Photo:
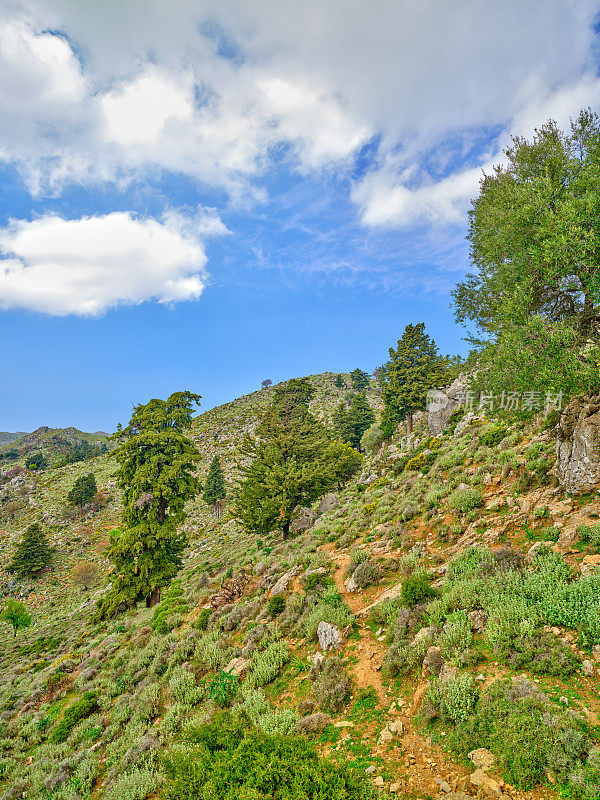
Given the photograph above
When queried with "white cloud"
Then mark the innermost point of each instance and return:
(155, 91)
(86, 266)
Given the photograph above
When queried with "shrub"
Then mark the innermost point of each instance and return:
(367, 573)
(275, 722)
(492, 435)
(79, 710)
(331, 687)
(330, 609)
(223, 759)
(452, 699)
(456, 635)
(166, 614)
(276, 605)
(417, 589)
(266, 665)
(465, 500)
(202, 621)
(223, 688)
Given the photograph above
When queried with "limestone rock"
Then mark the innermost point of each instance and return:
(478, 620)
(587, 668)
(578, 445)
(350, 584)
(237, 667)
(442, 404)
(283, 583)
(302, 519)
(482, 759)
(329, 636)
(328, 503)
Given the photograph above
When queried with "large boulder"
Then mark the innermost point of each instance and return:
(442, 404)
(302, 519)
(328, 503)
(329, 636)
(578, 445)
(283, 583)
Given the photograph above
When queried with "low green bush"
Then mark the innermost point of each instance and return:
(79, 710)
(492, 435)
(465, 500)
(417, 589)
(223, 688)
(223, 759)
(276, 605)
(167, 614)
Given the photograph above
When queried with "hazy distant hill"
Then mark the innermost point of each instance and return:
(6, 437)
(55, 441)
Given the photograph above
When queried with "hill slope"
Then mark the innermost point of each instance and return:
(456, 630)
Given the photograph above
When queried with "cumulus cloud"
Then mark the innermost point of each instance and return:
(88, 265)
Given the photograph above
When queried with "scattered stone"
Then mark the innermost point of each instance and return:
(370, 770)
(302, 519)
(587, 668)
(482, 759)
(283, 583)
(343, 723)
(394, 787)
(478, 620)
(328, 503)
(378, 781)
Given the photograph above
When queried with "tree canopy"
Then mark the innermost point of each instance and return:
(415, 366)
(83, 491)
(351, 421)
(33, 553)
(156, 476)
(214, 486)
(534, 231)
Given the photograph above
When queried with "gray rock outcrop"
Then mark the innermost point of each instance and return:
(442, 404)
(578, 445)
(329, 636)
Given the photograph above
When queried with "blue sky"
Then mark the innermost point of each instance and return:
(205, 197)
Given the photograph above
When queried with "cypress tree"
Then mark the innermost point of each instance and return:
(360, 379)
(83, 491)
(156, 477)
(33, 553)
(214, 487)
(415, 366)
(351, 422)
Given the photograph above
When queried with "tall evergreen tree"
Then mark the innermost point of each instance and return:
(33, 553)
(415, 366)
(214, 486)
(350, 422)
(83, 491)
(360, 379)
(156, 477)
(292, 461)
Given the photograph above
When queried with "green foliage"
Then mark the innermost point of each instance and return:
(203, 617)
(371, 440)
(338, 381)
(492, 435)
(156, 477)
(166, 612)
(79, 710)
(37, 461)
(465, 500)
(415, 366)
(214, 486)
(33, 553)
(82, 451)
(83, 491)
(292, 462)
(535, 247)
(14, 613)
(360, 379)
(276, 605)
(453, 698)
(350, 422)
(417, 589)
(332, 685)
(223, 688)
(221, 760)
(265, 666)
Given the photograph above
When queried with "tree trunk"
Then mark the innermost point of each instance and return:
(153, 598)
(286, 529)
(409, 423)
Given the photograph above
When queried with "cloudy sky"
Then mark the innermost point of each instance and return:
(204, 194)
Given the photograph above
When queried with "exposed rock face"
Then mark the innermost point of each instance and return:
(578, 445)
(283, 583)
(441, 407)
(238, 667)
(303, 519)
(329, 636)
(328, 503)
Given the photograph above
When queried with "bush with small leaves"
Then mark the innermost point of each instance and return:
(223, 688)
(276, 605)
(332, 685)
(265, 666)
(367, 573)
(451, 699)
(465, 500)
(417, 589)
(79, 710)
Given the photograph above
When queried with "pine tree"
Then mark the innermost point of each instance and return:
(83, 491)
(351, 422)
(292, 462)
(33, 553)
(214, 486)
(415, 366)
(360, 379)
(156, 477)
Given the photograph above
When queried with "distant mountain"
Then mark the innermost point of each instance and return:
(6, 437)
(54, 441)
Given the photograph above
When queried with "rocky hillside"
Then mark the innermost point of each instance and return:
(6, 436)
(435, 624)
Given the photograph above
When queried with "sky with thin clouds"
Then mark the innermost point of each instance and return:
(204, 194)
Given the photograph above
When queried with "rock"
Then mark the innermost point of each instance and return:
(343, 723)
(302, 519)
(587, 668)
(596, 652)
(448, 672)
(378, 781)
(283, 583)
(350, 584)
(370, 770)
(578, 445)
(237, 667)
(465, 422)
(385, 736)
(567, 538)
(329, 636)
(442, 404)
(482, 759)
(318, 659)
(433, 661)
(478, 778)
(260, 568)
(394, 787)
(478, 620)
(328, 503)
(445, 786)
(506, 470)
(423, 633)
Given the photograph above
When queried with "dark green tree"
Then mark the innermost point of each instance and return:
(214, 486)
(14, 613)
(360, 379)
(338, 381)
(350, 422)
(33, 553)
(156, 476)
(83, 491)
(415, 366)
(535, 247)
(37, 461)
(292, 461)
